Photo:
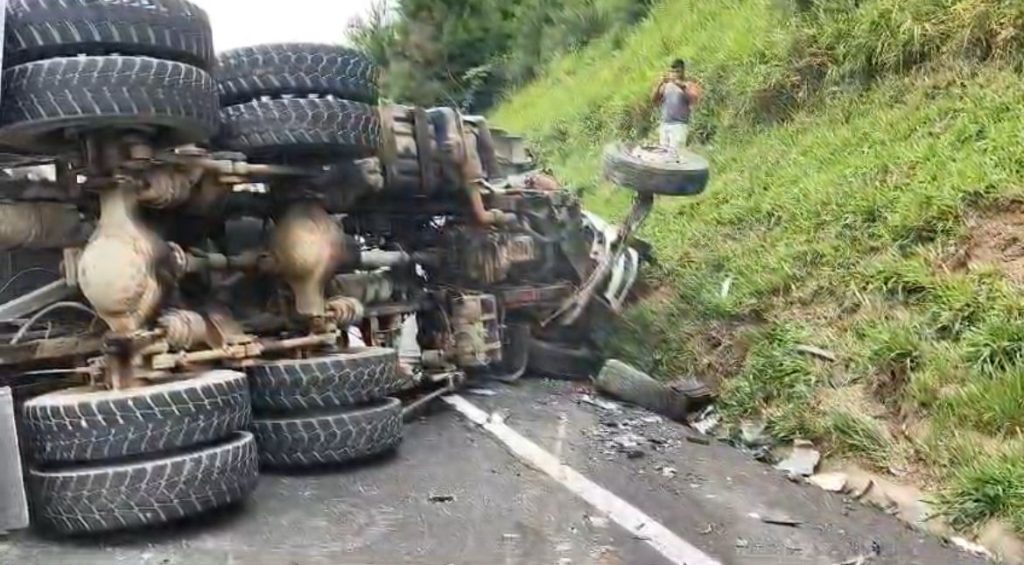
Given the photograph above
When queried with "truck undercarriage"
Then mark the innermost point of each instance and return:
(238, 245)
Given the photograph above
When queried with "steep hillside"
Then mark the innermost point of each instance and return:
(868, 199)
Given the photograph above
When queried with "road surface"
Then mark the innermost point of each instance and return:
(455, 493)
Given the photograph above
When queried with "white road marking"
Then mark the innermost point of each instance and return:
(674, 548)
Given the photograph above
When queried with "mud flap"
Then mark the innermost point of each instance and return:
(13, 505)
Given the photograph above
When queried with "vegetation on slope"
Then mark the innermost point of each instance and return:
(867, 198)
(464, 52)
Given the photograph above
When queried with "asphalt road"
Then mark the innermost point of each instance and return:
(455, 494)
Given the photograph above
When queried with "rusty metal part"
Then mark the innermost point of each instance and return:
(574, 306)
(307, 247)
(480, 214)
(477, 331)
(167, 187)
(531, 296)
(345, 311)
(39, 225)
(488, 257)
(117, 269)
(49, 350)
(452, 381)
(184, 329)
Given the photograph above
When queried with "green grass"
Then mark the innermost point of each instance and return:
(849, 148)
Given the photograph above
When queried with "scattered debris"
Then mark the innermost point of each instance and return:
(698, 440)
(668, 472)
(601, 403)
(802, 461)
(971, 547)
(708, 530)
(742, 543)
(635, 454)
(781, 520)
(706, 421)
(817, 352)
(832, 482)
(726, 287)
(442, 498)
(596, 522)
(627, 441)
(752, 433)
(481, 392)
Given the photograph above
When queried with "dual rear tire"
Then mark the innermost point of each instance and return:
(73, 67)
(113, 460)
(327, 411)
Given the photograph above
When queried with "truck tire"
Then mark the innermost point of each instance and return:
(71, 425)
(42, 100)
(562, 361)
(103, 498)
(628, 167)
(298, 69)
(329, 437)
(175, 30)
(335, 381)
(301, 126)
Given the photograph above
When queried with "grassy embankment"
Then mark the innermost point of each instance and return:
(867, 199)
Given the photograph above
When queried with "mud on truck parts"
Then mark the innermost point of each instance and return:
(237, 243)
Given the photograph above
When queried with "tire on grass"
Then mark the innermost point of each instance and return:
(176, 30)
(73, 426)
(301, 127)
(653, 172)
(329, 437)
(42, 101)
(335, 381)
(137, 493)
(298, 69)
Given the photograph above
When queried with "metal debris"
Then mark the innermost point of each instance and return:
(781, 520)
(802, 461)
(706, 421)
(606, 405)
(817, 352)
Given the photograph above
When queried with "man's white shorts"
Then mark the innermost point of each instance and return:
(674, 136)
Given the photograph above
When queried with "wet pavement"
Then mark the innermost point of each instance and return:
(453, 494)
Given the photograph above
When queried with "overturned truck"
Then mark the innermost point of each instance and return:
(240, 242)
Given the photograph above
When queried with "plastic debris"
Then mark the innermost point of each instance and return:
(706, 421)
(971, 547)
(802, 461)
(832, 482)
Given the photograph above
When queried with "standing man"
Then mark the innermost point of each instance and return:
(676, 98)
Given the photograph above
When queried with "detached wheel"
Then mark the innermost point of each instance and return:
(166, 29)
(74, 425)
(45, 101)
(298, 69)
(102, 498)
(656, 172)
(335, 381)
(301, 127)
(562, 360)
(329, 437)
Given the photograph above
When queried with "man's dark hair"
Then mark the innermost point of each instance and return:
(679, 65)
